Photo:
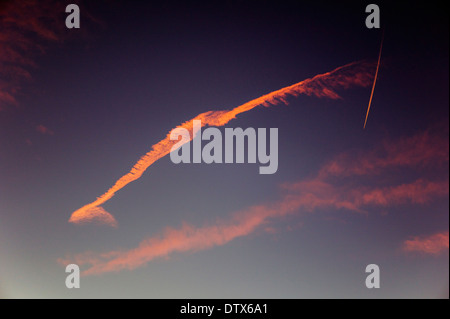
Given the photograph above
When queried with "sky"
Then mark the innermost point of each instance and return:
(86, 176)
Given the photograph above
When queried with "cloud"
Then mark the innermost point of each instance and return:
(418, 192)
(98, 215)
(188, 238)
(316, 194)
(322, 85)
(432, 245)
(44, 130)
(319, 193)
(421, 150)
(27, 26)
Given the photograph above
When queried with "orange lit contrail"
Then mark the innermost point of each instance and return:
(322, 85)
(374, 82)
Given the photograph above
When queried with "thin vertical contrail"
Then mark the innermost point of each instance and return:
(374, 82)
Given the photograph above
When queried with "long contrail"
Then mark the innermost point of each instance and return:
(322, 85)
(374, 82)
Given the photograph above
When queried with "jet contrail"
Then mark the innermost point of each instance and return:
(374, 81)
(322, 85)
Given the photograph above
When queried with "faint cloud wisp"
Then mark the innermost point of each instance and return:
(431, 245)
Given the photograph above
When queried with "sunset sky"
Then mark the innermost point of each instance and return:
(85, 175)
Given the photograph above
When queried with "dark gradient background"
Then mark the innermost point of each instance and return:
(99, 97)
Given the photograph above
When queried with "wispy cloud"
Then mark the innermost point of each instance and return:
(419, 192)
(27, 27)
(420, 150)
(314, 194)
(322, 85)
(432, 245)
(44, 130)
(320, 193)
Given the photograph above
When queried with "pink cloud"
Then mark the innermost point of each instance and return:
(420, 150)
(44, 130)
(27, 27)
(188, 238)
(418, 192)
(433, 245)
(317, 194)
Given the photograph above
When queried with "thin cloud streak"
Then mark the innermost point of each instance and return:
(307, 196)
(421, 150)
(323, 85)
(431, 245)
(418, 192)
